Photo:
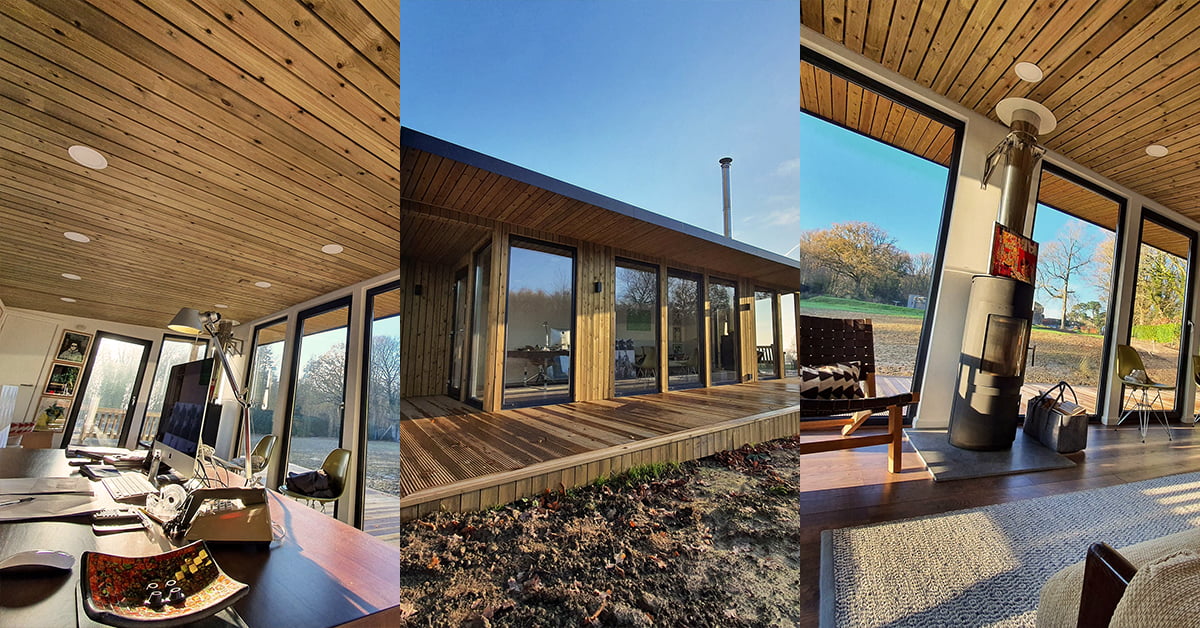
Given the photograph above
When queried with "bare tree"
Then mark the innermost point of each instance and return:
(1062, 259)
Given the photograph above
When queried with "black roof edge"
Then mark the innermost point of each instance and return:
(430, 144)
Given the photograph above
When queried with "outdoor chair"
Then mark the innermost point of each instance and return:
(833, 340)
(647, 362)
(1128, 361)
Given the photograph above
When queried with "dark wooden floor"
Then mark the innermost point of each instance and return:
(853, 487)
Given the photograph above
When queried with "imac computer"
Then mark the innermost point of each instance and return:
(188, 417)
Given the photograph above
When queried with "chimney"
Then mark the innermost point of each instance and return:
(725, 161)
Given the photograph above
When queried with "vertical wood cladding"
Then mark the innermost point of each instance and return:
(595, 322)
(425, 327)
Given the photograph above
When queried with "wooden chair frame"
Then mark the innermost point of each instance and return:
(831, 340)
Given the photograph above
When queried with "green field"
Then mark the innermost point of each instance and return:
(863, 307)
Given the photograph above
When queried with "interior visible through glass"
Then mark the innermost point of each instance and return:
(765, 348)
(265, 370)
(637, 355)
(722, 308)
(382, 455)
(683, 340)
(537, 362)
(103, 407)
(480, 348)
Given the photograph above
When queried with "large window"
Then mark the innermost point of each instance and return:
(723, 332)
(381, 439)
(539, 333)
(1076, 230)
(637, 355)
(1160, 301)
(318, 386)
(685, 320)
(266, 365)
(766, 343)
(174, 350)
(875, 186)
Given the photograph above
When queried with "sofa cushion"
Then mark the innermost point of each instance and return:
(832, 381)
(1058, 603)
(1166, 589)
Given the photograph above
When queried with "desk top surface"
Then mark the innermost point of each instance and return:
(323, 572)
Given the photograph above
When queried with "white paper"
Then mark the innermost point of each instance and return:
(43, 486)
(50, 507)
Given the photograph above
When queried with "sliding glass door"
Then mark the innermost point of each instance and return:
(480, 348)
(379, 464)
(766, 334)
(110, 390)
(723, 332)
(636, 370)
(686, 320)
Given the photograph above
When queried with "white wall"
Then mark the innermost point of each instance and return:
(28, 340)
(969, 237)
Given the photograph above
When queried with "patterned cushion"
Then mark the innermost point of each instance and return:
(1161, 586)
(833, 381)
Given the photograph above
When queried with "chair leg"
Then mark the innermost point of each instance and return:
(895, 448)
(856, 422)
(1162, 414)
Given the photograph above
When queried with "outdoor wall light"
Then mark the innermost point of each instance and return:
(417, 289)
(598, 286)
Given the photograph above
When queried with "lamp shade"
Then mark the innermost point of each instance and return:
(187, 321)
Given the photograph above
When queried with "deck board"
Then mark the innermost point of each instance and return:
(442, 451)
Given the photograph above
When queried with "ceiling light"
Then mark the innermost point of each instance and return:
(78, 237)
(1156, 150)
(72, 276)
(89, 157)
(332, 249)
(1028, 72)
(221, 305)
(67, 299)
(263, 284)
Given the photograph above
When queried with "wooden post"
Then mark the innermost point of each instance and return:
(664, 330)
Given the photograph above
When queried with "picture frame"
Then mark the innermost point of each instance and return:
(52, 413)
(73, 347)
(62, 381)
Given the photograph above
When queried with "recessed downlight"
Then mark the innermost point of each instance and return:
(89, 157)
(221, 306)
(67, 299)
(1156, 150)
(72, 276)
(77, 237)
(1028, 72)
(332, 249)
(263, 284)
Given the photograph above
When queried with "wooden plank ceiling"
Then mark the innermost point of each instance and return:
(241, 137)
(1119, 75)
(449, 204)
(860, 109)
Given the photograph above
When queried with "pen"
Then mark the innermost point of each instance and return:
(16, 501)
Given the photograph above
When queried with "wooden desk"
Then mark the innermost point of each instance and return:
(324, 572)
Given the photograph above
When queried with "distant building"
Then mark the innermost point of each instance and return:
(918, 302)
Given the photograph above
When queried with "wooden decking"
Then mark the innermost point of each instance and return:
(458, 458)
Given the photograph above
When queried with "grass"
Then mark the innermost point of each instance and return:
(863, 307)
(638, 475)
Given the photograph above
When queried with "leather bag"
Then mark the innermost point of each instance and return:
(1058, 424)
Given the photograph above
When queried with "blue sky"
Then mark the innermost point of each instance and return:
(631, 99)
(849, 177)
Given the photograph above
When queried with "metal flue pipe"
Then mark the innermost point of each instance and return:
(1027, 119)
(725, 161)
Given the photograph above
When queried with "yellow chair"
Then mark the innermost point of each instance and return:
(1128, 361)
(260, 458)
(336, 466)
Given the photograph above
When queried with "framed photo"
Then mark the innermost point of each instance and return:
(63, 378)
(52, 413)
(74, 347)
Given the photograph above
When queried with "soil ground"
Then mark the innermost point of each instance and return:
(1074, 357)
(710, 543)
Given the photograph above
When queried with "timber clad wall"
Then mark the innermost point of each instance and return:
(594, 320)
(425, 332)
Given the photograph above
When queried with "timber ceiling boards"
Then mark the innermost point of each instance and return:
(241, 137)
(1070, 197)
(852, 106)
(451, 185)
(1119, 75)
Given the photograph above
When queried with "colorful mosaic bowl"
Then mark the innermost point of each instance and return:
(115, 588)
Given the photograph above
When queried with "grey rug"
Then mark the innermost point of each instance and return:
(985, 566)
(947, 462)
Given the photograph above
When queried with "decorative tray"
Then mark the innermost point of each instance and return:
(120, 590)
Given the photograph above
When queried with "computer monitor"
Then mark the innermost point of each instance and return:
(188, 416)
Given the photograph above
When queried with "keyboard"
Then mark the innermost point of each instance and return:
(128, 485)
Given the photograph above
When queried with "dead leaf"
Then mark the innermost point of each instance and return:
(407, 610)
(434, 563)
